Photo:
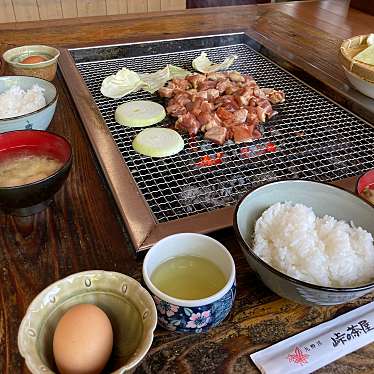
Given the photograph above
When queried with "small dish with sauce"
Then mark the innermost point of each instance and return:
(33, 167)
(365, 186)
(33, 60)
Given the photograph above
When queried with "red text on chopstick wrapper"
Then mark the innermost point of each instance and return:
(353, 332)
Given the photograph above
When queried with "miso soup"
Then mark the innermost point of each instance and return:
(188, 277)
(24, 169)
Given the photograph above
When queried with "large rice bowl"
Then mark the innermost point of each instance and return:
(322, 251)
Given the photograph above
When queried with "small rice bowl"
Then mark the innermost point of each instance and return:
(321, 251)
(15, 101)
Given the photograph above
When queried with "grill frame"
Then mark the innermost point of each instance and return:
(143, 227)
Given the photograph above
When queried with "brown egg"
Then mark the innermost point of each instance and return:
(83, 340)
(33, 59)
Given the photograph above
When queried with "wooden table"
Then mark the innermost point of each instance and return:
(82, 229)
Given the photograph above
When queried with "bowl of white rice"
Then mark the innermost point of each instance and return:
(309, 242)
(26, 103)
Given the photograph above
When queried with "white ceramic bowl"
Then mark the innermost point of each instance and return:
(360, 84)
(128, 305)
(36, 120)
(324, 199)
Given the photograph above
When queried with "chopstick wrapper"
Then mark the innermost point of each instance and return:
(320, 345)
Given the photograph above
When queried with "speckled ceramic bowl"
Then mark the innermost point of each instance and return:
(324, 199)
(192, 316)
(128, 305)
(45, 69)
(36, 120)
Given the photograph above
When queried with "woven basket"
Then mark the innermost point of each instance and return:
(350, 48)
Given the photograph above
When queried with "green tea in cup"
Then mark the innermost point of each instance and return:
(188, 277)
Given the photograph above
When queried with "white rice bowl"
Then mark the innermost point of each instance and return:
(15, 101)
(321, 251)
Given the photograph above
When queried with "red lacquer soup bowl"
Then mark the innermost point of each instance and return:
(366, 181)
(32, 196)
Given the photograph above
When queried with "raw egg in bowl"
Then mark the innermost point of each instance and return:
(33, 167)
(34, 60)
(95, 296)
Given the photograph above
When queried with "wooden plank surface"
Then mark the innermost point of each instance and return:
(6, 11)
(116, 7)
(137, 6)
(69, 8)
(89, 8)
(49, 9)
(324, 16)
(82, 229)
(29, 10)
(26, 10)
(173, 4)
(154, 5)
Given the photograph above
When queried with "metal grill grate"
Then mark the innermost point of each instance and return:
(315, 138)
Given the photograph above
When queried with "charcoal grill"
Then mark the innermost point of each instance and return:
(314, 138)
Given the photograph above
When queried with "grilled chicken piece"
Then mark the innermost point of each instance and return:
(274, 96)
(208, 121)
(216, 134)
(244, 95)
(215, 76)
(224, 115)
(204, 118)
(222, 85)
(240, 115)
(256, 134)
(176, 109)
(181, 83)
(166, 92)
(181, 98)
(252, 116)
(188, 123)
(242, 133)
(206, 106)
(206, 85)
(195, 79)
(212, 94)
(264, 109)
(235, 76)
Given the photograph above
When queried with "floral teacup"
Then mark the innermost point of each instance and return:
(191, 315)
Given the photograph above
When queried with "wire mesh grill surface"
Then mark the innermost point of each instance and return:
(314, 137)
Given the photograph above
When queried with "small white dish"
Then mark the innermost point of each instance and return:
(364, 86)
